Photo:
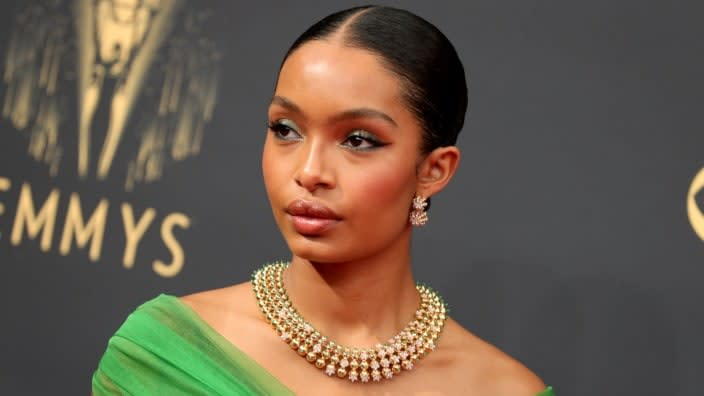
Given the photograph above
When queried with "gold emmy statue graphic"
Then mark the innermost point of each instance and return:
(95, 83)
(119, 48)
(118, 40)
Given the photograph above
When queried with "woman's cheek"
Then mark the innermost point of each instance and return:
(274, 167)
(384, 186)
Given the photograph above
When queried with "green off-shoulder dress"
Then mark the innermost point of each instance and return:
(165, 348)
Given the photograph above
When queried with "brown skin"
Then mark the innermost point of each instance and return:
(354, 280)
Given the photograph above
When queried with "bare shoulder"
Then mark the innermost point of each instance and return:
(225, 307)
(483, 368)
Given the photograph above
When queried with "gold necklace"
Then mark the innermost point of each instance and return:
(399, 353)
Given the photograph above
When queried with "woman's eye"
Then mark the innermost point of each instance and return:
(362, 140)
(284, 130)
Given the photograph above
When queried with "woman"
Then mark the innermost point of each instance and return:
(362, 127)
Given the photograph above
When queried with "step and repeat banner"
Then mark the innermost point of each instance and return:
(572, 236)
(110, 94)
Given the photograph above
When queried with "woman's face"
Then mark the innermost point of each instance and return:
(340, 155)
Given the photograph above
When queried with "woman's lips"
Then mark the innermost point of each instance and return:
(311, 218)
(311, 226)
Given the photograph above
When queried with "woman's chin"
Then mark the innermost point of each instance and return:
(315, 249)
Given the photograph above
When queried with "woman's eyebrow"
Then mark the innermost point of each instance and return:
(287, 104)
(362, 112)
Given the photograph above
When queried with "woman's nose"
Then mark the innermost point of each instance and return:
(314, 169)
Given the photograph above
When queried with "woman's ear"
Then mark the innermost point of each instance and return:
(437, 169)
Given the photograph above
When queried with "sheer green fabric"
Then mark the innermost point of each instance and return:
(547, 392)
(165, 348)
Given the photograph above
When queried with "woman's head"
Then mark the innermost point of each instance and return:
(420, 55)
(361, 121)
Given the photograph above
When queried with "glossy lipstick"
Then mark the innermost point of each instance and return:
(311, 218)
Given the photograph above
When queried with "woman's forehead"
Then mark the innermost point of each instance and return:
(330, 71)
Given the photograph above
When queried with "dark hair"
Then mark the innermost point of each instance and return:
(416, 51)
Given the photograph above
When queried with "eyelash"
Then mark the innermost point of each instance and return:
(278, 128)
(366, 137)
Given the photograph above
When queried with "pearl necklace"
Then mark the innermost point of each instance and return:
(399, 353)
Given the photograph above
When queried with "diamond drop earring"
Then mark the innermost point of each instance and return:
(418, 216)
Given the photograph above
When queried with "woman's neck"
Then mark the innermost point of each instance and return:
(359, 303)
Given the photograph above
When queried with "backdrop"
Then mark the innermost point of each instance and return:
(572, 236)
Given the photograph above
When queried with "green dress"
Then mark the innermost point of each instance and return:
(165, 348)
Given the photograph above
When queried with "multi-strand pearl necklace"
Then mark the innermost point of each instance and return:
(399, 353)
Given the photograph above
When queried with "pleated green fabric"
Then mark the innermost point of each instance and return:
(165, 348)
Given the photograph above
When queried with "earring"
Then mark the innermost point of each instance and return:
(418, 216)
